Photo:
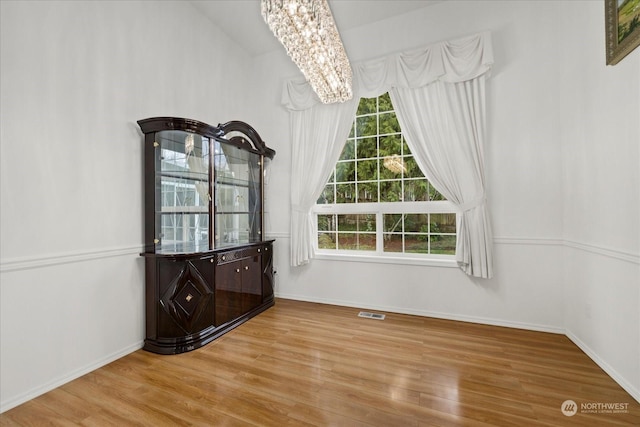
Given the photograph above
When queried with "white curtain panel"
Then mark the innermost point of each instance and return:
(318, 136)
(438, 93)
(443, 124)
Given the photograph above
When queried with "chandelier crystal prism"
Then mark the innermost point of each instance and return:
(308, 32)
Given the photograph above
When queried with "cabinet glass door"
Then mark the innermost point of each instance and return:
(182, 192)
(238, 210)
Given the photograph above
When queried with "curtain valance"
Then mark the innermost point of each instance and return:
(438, 93)
(450, 61)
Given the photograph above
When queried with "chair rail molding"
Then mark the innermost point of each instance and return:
(27, 263)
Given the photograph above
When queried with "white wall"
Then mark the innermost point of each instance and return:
(75, 78)
(524, 175)
(562, 174)
(600, 110)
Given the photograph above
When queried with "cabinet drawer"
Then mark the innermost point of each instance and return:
(234, 255)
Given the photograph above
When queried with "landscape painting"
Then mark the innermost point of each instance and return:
(622, 28)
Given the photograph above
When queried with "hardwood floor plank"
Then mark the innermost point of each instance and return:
(311, 364)
(33, 413)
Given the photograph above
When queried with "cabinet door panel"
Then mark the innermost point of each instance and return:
(251, 283)
(228, 292)
(267, 273)
(168, 272)
(182, 208)
(185, 298)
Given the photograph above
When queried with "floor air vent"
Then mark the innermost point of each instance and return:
(376, 316)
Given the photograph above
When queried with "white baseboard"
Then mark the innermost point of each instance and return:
(44, 388)
(427, 313)
(629, 388)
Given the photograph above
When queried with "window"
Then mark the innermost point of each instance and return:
(377, 201)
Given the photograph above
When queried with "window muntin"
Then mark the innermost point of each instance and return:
(347, 231)
(422, 233)
(377, 200)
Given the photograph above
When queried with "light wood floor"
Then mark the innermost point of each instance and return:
(310, 364)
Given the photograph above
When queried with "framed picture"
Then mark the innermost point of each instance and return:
(622, 28)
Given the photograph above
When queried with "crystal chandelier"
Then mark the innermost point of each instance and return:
(307, 31)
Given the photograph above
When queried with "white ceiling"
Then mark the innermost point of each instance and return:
(242, 21)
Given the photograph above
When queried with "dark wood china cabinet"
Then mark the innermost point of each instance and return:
(208, 267)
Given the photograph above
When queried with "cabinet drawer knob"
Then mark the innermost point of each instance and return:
(258, 250)
(246, 267)
(224, 257)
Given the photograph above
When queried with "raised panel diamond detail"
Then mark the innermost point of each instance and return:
(186, 298)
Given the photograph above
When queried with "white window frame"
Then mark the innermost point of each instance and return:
(379, 209)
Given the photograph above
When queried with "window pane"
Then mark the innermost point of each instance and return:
(326, 196)
(392, 243)
(445, 245)
(443, 223)
(368, 192)
(366, 222)
(367, 170)
(385, 171)
(326, 222)
(347, 241)
(357, 222)
(416, 223)
(392, 222)
(356, 241)
(393, 166)
(348, 152)
(327, 241)
(348, 222)
(434, 194)
(389, 123)
(405, 147)
(366, 106)
(366, 126)
(367, 241)
(416, 190)
(416, 243)
(367, 148)
(345, 193)
(345, 171)
(384, 102)
(390, 145)
(390, 191)
(411, 168)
